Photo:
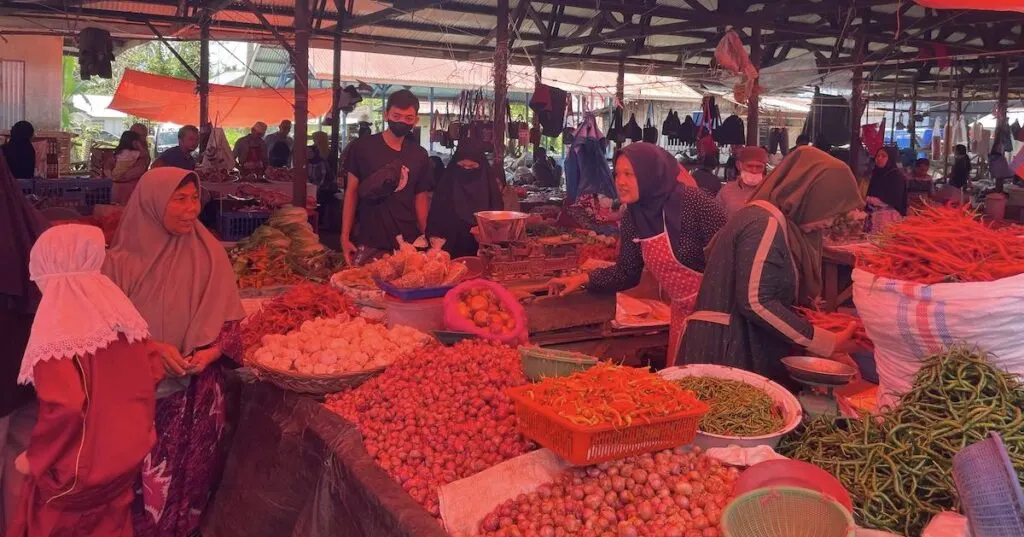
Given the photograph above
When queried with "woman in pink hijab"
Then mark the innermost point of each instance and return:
(180, 279)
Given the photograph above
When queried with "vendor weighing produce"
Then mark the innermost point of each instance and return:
(766, 261)
(666, 227)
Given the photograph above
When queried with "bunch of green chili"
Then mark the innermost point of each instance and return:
(898, 466)
(737, 408)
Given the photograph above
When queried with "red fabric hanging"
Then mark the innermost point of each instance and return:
(985, 5)
(174, 100)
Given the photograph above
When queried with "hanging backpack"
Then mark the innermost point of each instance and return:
(687, 132)
(668, 129)
(650, 133)
(615, 132)
(632, 129)
(731, 132)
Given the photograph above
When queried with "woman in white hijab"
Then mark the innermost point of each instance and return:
(95, 372)
(180, 279)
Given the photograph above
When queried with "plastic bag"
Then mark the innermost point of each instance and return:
(485, 309)
(744, 456)
(909, 321)
(465, 503)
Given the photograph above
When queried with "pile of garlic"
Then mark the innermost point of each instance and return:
(328, 346)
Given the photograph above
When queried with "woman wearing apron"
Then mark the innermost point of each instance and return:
(767, 260)
(665, 228)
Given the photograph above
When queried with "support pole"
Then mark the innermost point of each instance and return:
(1002, 117)
(947, 135)
(301, 65)
(754, 99)
(332, 159)
(430, 135)
(203, 83)
(857, 99)
(911, 122)
(538, 80)
(620, 95)
(895, 99)
(501, 54)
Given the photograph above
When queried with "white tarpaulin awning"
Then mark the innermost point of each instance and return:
(444, 73)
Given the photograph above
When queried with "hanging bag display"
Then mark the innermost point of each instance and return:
(650, 134)
(633, 130)
(455, 127)
(436, 133)
(687, 131)
(615, 132)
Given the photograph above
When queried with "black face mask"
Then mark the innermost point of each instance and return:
(399, 129)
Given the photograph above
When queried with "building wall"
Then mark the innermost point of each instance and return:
(43, 77)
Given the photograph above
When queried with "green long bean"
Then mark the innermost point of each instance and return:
(898, 466)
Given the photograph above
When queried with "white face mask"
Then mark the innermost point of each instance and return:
(751, 178)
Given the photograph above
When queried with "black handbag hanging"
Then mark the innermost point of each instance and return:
(616, 134)
(670, 127)
(687, 132)
(632, 129)
(650, 134)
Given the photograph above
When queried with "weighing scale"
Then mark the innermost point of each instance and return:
(820, 378)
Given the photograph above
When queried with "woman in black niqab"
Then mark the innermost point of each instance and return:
(887, 181)
(18, 151)
(467, 186)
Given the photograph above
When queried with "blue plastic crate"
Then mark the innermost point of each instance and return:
(26, 186)
(989, 490)
(237, 225)
(78, 190)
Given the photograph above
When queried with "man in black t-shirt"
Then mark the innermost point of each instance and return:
(387, 183)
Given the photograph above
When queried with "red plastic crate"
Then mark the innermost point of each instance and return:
(581, 445)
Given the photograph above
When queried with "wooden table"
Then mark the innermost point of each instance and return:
(833, 257)
(582, 322)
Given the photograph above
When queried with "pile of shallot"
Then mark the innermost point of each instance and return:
(672, 493)
(439, 415)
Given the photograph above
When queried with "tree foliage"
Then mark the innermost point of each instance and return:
(150, 57)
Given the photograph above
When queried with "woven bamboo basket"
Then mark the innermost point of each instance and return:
(311, 384)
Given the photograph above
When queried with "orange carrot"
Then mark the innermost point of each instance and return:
(939, 244)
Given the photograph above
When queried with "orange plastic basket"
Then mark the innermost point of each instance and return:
(581, 445)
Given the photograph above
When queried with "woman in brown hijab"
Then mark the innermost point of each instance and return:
(766, 260)
(180, 279)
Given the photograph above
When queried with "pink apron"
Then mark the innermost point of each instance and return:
(679, 281)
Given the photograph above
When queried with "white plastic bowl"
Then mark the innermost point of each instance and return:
(789, 403)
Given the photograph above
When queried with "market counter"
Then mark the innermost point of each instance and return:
(297, 469)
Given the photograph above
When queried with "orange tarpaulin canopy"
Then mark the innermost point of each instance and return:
(984, 5)
(174, 100)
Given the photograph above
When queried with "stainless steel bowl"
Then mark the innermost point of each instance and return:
(501, 226)
(818, 370)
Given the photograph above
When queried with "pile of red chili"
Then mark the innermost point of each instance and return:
(287, 312)
(837, 322)
(939, 244)
(614, 395)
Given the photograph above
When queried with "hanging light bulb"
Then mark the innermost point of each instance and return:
(900, 125)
